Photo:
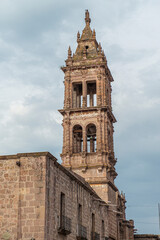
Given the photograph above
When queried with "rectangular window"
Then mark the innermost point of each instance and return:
(62, 209)
(102, 230)
(79, 214)
(81, 230)
(65, 221)
(93, 226)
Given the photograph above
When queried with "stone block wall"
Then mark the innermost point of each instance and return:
(9, 198)
(60, 180)
(30, 201)
(22, 196)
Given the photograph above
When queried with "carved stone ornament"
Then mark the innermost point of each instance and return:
(84, 72)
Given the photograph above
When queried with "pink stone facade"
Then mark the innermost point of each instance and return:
(31, 205)
(22, 196)
(30, 196)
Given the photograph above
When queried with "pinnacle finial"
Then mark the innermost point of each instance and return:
(78, 36)
(69, 52)
(87, 18)
(94, 34)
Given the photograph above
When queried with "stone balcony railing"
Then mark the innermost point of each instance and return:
(95, 236)
(65, 225)
(81, 232)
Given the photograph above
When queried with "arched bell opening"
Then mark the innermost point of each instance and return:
(91, 138)
(77, 139)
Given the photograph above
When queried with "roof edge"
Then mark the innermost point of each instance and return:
(29, 154)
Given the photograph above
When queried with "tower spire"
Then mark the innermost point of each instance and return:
(87, 18)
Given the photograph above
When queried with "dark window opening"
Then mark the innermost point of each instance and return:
(103, 230)
(77, 139)
(91, 138)
(87, 47)
(93, 222)
(77, 95)
(91, 94)
(65, 222)
(79, 214)
(62, 208)
(93, 226)
(81, 230)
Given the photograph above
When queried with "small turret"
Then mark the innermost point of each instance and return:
(69, 53)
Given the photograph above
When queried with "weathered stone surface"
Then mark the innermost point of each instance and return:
(22, 196)
(31, 199)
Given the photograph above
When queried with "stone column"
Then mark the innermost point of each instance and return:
(68, 142)
(99, 132)
(78, 144)
(91, 99)
(105, 91)
(98, 90)
(91, 144)
(63, 150)
(84, 140)
(74, 144)
(67, 91)
(78, 98)
(84, 93)
(74, 99)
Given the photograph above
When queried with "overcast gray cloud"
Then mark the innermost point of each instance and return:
(34, 38)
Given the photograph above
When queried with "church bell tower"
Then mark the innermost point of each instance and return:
(87, 114)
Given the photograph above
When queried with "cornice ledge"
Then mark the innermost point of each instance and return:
(30, 154)
(87, 66)
(111, 114)
(87, 166)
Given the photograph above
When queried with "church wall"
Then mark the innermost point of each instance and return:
(60, 181)
(22, 196)
(30, 191)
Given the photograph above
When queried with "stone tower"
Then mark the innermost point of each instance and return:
(87, 115)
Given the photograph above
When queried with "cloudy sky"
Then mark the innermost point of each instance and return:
(34, 38)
